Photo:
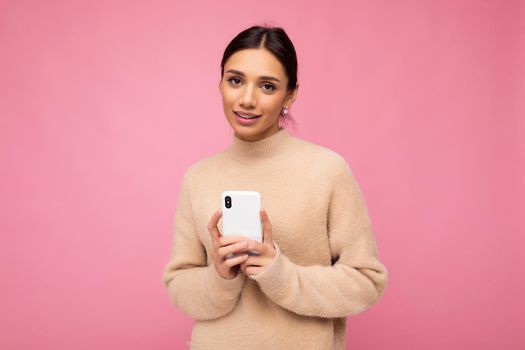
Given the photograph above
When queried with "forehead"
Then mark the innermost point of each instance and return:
(256, 62)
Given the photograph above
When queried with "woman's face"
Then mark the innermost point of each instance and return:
(253, 90)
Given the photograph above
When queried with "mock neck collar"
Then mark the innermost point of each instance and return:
(260, 149)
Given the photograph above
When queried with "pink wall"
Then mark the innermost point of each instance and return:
(104, 104)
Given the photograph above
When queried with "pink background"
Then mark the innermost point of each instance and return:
(103, 105)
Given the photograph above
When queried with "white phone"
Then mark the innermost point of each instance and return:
(240, 214)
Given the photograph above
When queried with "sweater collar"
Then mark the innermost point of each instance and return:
(259, 149)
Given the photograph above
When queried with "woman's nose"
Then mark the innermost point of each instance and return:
(248, 98)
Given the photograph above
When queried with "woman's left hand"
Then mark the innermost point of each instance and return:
(255, 265)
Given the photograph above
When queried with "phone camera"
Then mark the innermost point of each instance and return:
(228, 202)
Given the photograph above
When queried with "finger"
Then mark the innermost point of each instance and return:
(267, 227)
(227, 240)
(242, 266)
(235, 261)
(232, 248)
(255, 246)
(212, 225)
(255, 261)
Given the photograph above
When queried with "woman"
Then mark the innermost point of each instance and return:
(318, 260)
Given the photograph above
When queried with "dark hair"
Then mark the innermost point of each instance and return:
(275, 40)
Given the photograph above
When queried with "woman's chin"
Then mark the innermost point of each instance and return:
(246, 131)
(251, 132)
(248, 134)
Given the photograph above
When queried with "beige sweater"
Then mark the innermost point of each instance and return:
(326, 266)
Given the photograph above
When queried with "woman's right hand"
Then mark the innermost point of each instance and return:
(222, 247)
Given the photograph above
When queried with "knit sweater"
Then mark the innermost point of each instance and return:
(326, 265)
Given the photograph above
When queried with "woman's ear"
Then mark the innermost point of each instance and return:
(292, 95)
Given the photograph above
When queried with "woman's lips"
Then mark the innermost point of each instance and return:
(246, 121)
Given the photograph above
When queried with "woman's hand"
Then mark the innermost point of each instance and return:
(255, 265)
(223, 246)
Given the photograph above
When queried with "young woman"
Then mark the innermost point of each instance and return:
(318, 261)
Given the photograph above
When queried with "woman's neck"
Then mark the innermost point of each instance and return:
(261, 148)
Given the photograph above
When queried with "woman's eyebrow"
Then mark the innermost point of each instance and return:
(264, 77)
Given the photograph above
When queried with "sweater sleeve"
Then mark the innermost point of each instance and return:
(193, 286)
(353, 283)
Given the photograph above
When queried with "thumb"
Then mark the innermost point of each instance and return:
(267, 227)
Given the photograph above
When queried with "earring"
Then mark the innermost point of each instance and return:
(285, 111)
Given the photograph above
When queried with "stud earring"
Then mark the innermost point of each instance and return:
(285, 111)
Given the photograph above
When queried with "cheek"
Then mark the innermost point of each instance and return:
(224, 91)
(228, 96)
(225, 100)
(273, 104)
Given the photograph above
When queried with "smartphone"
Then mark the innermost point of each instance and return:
(240, 214)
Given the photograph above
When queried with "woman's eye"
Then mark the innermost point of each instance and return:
(234, 81)
(268, 87)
